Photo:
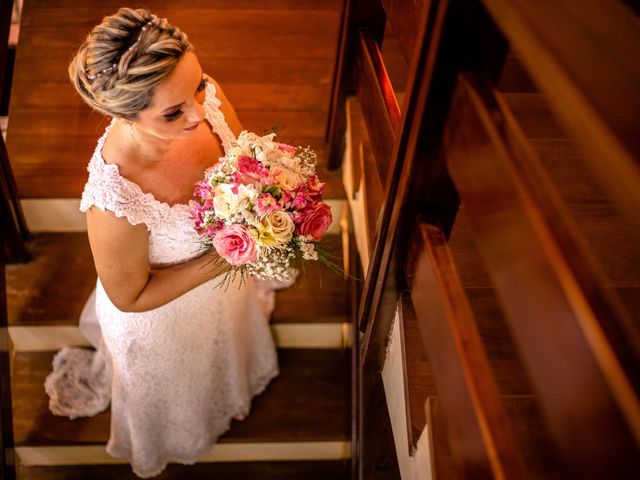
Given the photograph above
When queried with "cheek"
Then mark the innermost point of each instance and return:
(158, 127)
(169, 129)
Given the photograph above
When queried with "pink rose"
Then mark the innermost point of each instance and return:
(236, 245)
(315, 223)
(283, 147)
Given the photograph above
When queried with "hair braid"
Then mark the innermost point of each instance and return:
(121, 61)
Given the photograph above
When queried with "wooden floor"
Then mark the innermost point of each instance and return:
(273, 58)
(307, 402)
(52, 289)
(37, 296)
(310, 381)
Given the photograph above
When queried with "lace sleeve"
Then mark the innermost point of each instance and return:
(216, 117)
(107, 190)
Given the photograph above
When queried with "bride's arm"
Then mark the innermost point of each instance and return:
(120, 254)
(227, 109)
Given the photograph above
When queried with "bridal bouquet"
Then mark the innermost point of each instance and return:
(261, 207)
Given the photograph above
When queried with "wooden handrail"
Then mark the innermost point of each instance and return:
(482, 439)
(584, 57)
(378, 100)
(551, 291)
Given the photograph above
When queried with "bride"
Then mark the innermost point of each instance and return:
(180, 357)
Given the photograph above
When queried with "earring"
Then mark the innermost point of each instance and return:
(130, 130)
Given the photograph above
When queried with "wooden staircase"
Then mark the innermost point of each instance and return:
(489, 155)
(494, 198)
(298, 428)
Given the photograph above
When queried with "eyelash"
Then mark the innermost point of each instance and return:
(170, 117)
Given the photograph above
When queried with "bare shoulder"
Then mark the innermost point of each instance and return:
(227, 108)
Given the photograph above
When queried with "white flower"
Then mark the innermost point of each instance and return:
(227, 204)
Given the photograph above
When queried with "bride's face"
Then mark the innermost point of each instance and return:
(176, 109)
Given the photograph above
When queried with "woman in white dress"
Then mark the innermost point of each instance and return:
(186, 357)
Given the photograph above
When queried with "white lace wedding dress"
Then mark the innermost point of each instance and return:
(176, 375)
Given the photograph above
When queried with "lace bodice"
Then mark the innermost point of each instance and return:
(172, 238)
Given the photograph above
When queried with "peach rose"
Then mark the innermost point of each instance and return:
(281, 225)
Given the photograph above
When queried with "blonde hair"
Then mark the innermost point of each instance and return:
(123, 59)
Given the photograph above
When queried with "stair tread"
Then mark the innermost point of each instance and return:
(514, 76)
(310, 381)
(535, 444)
(534, 114)
(527, 425)
(611, 237)
(502, 353)
(280, 470)
(52, 289)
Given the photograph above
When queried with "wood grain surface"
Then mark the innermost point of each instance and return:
(273, 59)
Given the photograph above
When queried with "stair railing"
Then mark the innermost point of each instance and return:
(12, 223)
(401, 142)
(456, 136)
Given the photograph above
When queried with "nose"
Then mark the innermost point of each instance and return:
(196, 112)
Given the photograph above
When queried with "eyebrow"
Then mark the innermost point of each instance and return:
(168, 109)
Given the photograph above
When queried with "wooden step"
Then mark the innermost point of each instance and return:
(502, 353)
(601, 225)
(534, 443)
(514, 76)
(497, 340)
(52, 289)
(516, 393)
(534, 115)
(611, 238)
(538, 455)
(49, 156)
(34, 164)
(307, 470)
(308, 401)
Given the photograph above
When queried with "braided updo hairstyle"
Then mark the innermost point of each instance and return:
(123, 59)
